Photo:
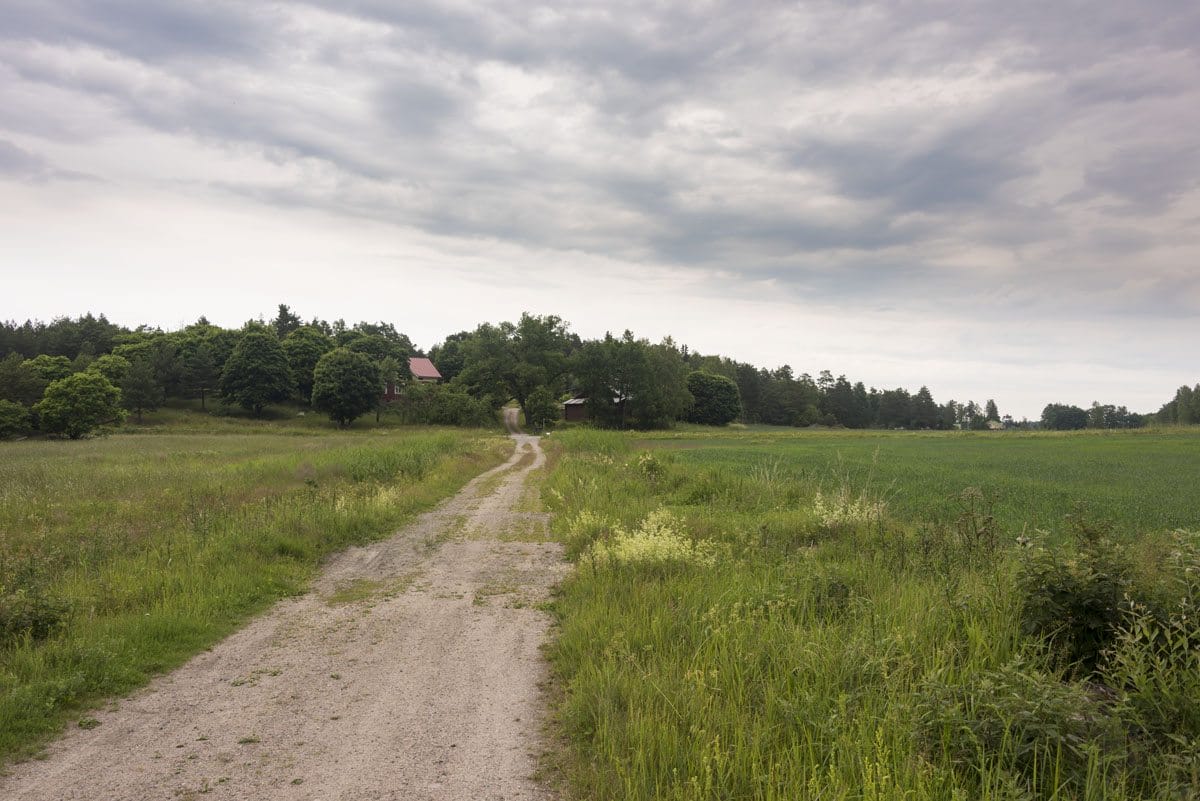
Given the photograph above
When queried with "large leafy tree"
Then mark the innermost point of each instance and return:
(715, 399)
(304, 348)
(112, 367)
(257, 372)
(378, 347)
(19, 381)
(346, 385)
(631, 383)
(79, 404)
(50, 368)
(511, 361)
(449, 356)
(1063, 417)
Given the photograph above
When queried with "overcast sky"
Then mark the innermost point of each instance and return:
(996, 199)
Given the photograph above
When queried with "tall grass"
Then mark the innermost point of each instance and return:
(121, 557)
(840, 644)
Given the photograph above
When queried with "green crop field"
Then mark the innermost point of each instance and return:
(122, 556)
(837, 615)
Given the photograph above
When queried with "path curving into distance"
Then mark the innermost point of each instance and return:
(411, 671)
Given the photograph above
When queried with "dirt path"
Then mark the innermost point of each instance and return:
(410, 672)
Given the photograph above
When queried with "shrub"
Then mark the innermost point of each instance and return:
(26, 613)
(14, 419)
(657, 542)
(1155, 664)
(542, 409)
(841, 509)
(1075, 599)
(1017, 719)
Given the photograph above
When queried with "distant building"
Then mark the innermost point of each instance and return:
(421, 370)
(576, 410)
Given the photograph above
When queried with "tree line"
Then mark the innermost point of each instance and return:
(70, 375)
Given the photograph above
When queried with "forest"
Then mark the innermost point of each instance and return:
(70, 376)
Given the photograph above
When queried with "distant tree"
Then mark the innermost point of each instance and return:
(162, 352)
(542, 409)
(991, 412)
(200, 373)
(1183, 409)
(86, 355)
(257, 373)
(346, 385)
(924, 410)
(631, 383)
(1060, 417)
(19, 381)
(511, 361)
(79, 404)
(285, 321)
(112, 367)
(14, 419)
(895, 408)
(391, 374)
(715, 399)
(949, 415)
(304, 348)
(448, 357)
(378, 347)
(50, 368)
(140, 391)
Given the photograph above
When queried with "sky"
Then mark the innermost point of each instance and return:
(997, 200)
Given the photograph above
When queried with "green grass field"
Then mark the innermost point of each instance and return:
(849, 615)
(122, 556)
(1145, 480)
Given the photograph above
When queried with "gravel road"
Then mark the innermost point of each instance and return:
(411, 671)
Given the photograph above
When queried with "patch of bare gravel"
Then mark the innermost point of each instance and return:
(411, 671)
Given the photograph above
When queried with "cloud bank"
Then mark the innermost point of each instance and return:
(922, 192)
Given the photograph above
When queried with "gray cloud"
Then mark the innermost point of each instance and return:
(22, 165)
(842, 150)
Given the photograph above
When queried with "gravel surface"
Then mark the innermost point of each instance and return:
(411, 671)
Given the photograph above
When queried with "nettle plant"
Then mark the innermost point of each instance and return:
(1076, 598)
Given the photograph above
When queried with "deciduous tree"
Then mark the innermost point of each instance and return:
(79, 404)
(715, 399)
(304, 348)
(257, 373)
(346, 385)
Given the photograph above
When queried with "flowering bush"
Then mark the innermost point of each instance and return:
(657, 541)
(841, 509)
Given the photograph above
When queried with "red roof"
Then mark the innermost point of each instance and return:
(422, 368)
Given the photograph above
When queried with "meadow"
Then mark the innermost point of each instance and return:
(774, 614)
(122, 556)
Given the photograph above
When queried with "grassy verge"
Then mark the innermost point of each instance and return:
(121, 557)
(773, 617)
